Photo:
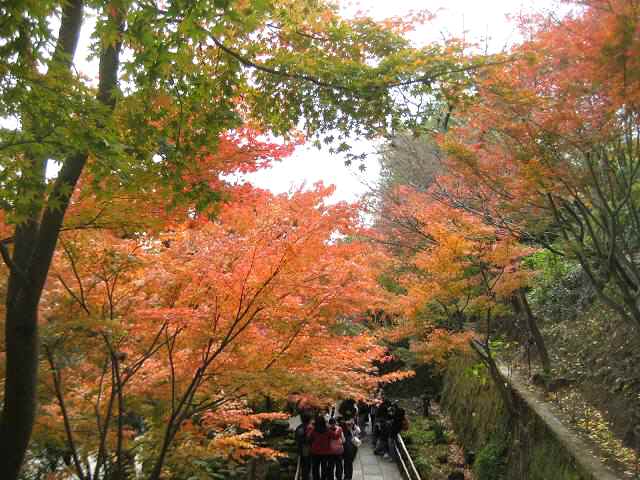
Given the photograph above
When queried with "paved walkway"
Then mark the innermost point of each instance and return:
(368, 466)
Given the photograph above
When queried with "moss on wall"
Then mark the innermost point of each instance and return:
(473, 403)
(546, 462)
(521, 448)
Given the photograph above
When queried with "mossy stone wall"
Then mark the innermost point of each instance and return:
(519, 448)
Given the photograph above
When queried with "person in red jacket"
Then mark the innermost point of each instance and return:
(320, 439)
(336, 446)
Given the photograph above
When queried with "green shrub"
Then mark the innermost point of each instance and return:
(561, 289)
(423, 466)
(439, 434)
(490, 461)
(419, 437)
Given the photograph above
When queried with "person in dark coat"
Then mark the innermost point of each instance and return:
(397, 423)
(302, 443)
(348, 408)
(351, 438)
(364, 409)
(382, 427)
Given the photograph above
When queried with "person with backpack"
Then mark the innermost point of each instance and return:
(319, 437)
(398, 423)
(351, 443)
(303, 446)
(382, 426)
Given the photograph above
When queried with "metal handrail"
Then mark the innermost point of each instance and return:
(406, 463)
(298, 469)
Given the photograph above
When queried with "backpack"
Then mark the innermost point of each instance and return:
(405, 424)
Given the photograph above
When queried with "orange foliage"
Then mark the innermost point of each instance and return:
(191, 327)
(570, 89)
(544, 149)
(108, 201)
(461, 268)
(466, 265)
(440, 344)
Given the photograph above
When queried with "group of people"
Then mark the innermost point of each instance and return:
(328, 445)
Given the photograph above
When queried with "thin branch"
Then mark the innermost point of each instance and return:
(13, 268)
(425, 79)
(57, 383)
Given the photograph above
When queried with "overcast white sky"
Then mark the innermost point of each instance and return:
(477, 19)
(482, 20)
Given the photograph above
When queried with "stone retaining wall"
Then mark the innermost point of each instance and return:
(533, 446)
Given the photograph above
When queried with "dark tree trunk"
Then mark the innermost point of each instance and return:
(536, 335)
(31, 262)
(34, 245)
(503, 388)
(18, 414)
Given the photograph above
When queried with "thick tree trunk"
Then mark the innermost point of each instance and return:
(19, 408)
(35, 243)
(26, 282)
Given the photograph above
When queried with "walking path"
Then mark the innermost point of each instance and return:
(368, 466)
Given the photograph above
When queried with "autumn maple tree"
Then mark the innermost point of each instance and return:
(172, 79)
(542, 151)
(456, 275)
(462, 269)
(548, 148)
(170, 339)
